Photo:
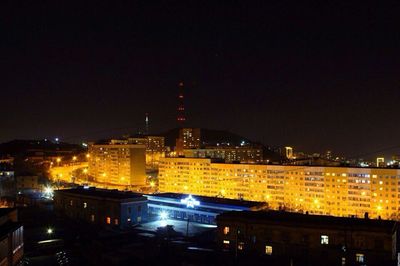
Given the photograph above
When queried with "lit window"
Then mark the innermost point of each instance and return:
(85, 205)
(240, 246)
(108, 220)
(116, 221)
(343, 261)
(226, 230)
(324, 240)
(92, 217)
(360, 257)
(268, 250)
(70, 202)
(128, 220)
(226, 242)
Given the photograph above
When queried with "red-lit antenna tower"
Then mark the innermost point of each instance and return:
(181, 106)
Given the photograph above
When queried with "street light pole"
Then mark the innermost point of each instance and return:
(187, 227)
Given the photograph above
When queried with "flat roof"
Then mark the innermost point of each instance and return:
(102, 193)
(214, 200)
(307, 220)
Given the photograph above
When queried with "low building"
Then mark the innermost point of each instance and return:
(308, 239)
(100, 206)
(198, 209)
(11, 237)
(28, 183)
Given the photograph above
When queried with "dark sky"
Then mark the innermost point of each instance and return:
(317, 76)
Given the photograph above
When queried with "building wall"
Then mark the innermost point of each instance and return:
(303, 243)
(121, 164)
(28, 182)
(338, 191)
(101, 211)
(137, 167)
(228, 154)
(189, 138)
(11, 239)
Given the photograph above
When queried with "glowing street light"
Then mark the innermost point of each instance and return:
(163, 215)
(50, 231)
(74, 158)
(48, 192)
(163, 218)
(58, 160)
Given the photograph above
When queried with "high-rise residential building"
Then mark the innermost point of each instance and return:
(118, 162)
(243, 154)
(289, 152)
(189, 138)
(338, 191)
(380, 162)
(155, 150)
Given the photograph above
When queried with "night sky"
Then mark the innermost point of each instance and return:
(318, 76)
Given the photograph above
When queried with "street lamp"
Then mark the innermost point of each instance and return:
(163, 218)
(50, 231)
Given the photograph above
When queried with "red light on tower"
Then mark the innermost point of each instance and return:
(181, 106)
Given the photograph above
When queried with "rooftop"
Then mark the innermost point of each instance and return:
(102, 193)
(215, 200)
(299, 219)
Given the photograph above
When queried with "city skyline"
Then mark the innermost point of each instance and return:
(268, 72)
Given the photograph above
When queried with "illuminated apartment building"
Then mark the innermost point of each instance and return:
(228, 154)
(155, 148)
(189, 138)
(118, 162)
(338, 191)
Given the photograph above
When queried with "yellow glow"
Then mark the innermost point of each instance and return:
(152, 183)
(88, 155)
(58, 160)
(310, 187)
(74, 158)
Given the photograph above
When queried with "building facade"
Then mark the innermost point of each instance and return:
(155, 150)
(198, 209)
(189, 138)
(282, 238)
(338, 191)
(11, 237)
(28, 183)
(102, 207)
(228, 154)
(118, 162)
